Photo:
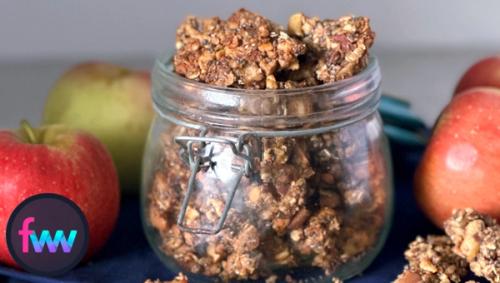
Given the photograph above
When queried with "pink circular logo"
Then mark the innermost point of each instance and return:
(47, 234)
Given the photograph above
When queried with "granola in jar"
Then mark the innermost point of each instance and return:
(290, 190)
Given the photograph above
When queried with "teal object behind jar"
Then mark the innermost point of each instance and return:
(242, 185)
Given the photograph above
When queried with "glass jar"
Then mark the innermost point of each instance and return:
(253, 184)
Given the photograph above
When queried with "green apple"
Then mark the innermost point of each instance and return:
(111, 102)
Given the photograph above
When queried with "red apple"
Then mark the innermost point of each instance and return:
(54, 159)
(461, 165)
(484, 73)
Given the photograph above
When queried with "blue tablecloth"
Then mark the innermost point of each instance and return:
(128, 258)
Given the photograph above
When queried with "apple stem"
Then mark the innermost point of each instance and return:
(29, 132)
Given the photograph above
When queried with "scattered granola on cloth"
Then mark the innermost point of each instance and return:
(181, 278)
(472, 241)
(477, 239)
(431, 260)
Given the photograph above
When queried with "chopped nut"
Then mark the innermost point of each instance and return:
(271, 82)
(299, 219)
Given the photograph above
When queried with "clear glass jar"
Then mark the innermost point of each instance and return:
(250, 184)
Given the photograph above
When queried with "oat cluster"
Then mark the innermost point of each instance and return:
(340, 47)
(431, 260)
(245, 51)
(249, 51)
(181, 278)
(477, 239)
(472, 241)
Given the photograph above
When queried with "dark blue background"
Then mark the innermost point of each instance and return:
(128, 258)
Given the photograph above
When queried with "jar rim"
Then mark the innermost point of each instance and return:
(196, 103)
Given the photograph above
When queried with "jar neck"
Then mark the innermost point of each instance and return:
(196, 104)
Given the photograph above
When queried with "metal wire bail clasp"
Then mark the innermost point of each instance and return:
(200, 159)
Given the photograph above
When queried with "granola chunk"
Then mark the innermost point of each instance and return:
(318, 238)
(477, 239)
(180, 278)
(432, 260)
(341, 46)
(241, 265)
(244, 51)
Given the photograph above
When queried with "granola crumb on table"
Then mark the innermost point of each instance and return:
(432, 260)
(472, 241)
(477, 239)
(315, 201)
(180, 278)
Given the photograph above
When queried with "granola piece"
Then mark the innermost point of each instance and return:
(278, 252)
(244, 258)
(157, 219)
(183, 250)
(409, 276)
(432, 260)
(272, 279)
(286, 213)
(284, 160)
(487, 263)
(167, 197)
(355, 240)
(299, 219)
(303, 77)
(289, 205)
(260, 199)
(244, 51)
(241, 265)
(291, 84)
(341, 46)
(248, 239)
(318, 238)
(329, 197)
(477, 239)
(180, 278)
(276, 151)
(284, 170)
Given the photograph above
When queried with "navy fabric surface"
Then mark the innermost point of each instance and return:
(128, 258)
